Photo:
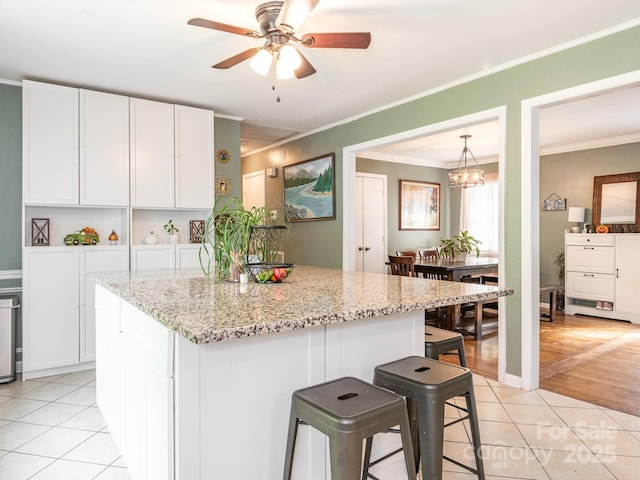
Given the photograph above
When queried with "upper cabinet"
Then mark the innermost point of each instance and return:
(194, 162)
(104, 149)
(172, 159)
(152, 154)
(50, 144)
(76, 146)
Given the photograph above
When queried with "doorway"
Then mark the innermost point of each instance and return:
(530, 200)
(253, 189)
(371, 222)
(349, 247)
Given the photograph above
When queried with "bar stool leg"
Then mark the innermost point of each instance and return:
(343, 451)
(430, 422)
(475, 432)
(291, 444)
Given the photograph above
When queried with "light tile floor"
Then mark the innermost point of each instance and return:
(51, 429)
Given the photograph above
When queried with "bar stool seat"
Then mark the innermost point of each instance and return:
(438, 341)
(427, 384)
(347, 410)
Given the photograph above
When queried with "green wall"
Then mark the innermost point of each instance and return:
(408, 239)
(227, 137)
(11, 177)
(602, 58)
(570, 175)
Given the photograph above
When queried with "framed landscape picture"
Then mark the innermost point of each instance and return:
(419, 205)
(309, 189)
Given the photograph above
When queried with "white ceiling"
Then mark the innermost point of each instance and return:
(145, 48)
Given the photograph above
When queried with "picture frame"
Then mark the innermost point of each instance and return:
(309, 189)
(419, 205)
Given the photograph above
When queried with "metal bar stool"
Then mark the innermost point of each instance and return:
(347, 410)
(428, 384)
(438, 342)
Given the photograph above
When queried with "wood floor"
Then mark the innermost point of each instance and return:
(591, 359)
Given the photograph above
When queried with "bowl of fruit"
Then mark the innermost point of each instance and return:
(269, 272)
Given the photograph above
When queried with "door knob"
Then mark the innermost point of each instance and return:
(360, 249)
(366, 249)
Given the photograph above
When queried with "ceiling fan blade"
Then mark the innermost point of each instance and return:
(293, 13)
(337, 40)
(236, 59)
(223, 27)
(305, 69)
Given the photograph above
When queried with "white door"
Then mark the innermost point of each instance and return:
(371, 222)
(253, 189)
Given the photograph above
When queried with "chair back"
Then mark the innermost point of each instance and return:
(431, 253)
(406, 253)
(402, 265)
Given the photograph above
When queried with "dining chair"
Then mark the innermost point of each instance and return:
(431, 253)
(402, 265)
(406, 253)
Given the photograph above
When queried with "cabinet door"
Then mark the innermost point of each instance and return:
(104, 149)
(50, 143)
(194, 157)
(152, 257)
(51, 318)
(95, 259)
(627, 273)
(152, 152)
(187, 256)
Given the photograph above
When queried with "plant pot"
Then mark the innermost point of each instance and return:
(174, 238)
(461, 256)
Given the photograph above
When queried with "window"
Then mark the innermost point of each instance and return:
(479, 213)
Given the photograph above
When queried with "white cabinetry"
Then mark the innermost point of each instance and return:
(152, 257)
(601, 277)
(628, 274)
(58, 315)
(152, 152)
(49, 143)
(194, 157)
(51, 308)
(104, 149)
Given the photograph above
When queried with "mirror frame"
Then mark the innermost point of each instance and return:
(618, 178)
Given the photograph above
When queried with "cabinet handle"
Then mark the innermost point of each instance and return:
(617, 273)
(11, 307)
(366, 249)
(589, 248)
(588, 275)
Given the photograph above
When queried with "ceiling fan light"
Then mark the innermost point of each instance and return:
(289, 57)
(261, 62)
(282, 72)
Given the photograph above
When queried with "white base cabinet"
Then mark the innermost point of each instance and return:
(602, 276)
(58, 306)
(196, 412)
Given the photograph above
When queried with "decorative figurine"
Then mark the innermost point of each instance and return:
(151, 238)
(86, 236)
(113, 237)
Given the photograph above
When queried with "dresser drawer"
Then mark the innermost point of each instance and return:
(589, 239)
(590, 286)
(588, 258)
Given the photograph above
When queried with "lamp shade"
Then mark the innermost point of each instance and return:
(576, 214)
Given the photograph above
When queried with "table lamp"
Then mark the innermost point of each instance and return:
(576, 214)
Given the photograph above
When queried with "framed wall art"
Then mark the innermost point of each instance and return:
(309, 189)
(419, 205)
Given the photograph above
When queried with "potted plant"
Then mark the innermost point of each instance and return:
(460, 245)
(227, 244)
(170, 228)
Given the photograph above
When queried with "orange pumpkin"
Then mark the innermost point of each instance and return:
(602, 229)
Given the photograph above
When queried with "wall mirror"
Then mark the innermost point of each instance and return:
(616, 199)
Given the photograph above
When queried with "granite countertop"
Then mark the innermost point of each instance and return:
(204, 311)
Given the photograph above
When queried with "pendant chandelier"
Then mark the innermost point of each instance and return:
(466, 175)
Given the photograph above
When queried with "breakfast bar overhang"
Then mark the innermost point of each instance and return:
(194, 378)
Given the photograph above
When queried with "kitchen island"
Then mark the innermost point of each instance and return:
(194, 378)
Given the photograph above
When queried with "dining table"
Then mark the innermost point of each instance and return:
(456, 270)
(453, 269)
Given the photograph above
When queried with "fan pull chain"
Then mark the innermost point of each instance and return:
(274, 87)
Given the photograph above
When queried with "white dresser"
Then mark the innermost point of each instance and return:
(602, 275)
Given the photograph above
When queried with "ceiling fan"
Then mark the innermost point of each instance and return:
(278, 24)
